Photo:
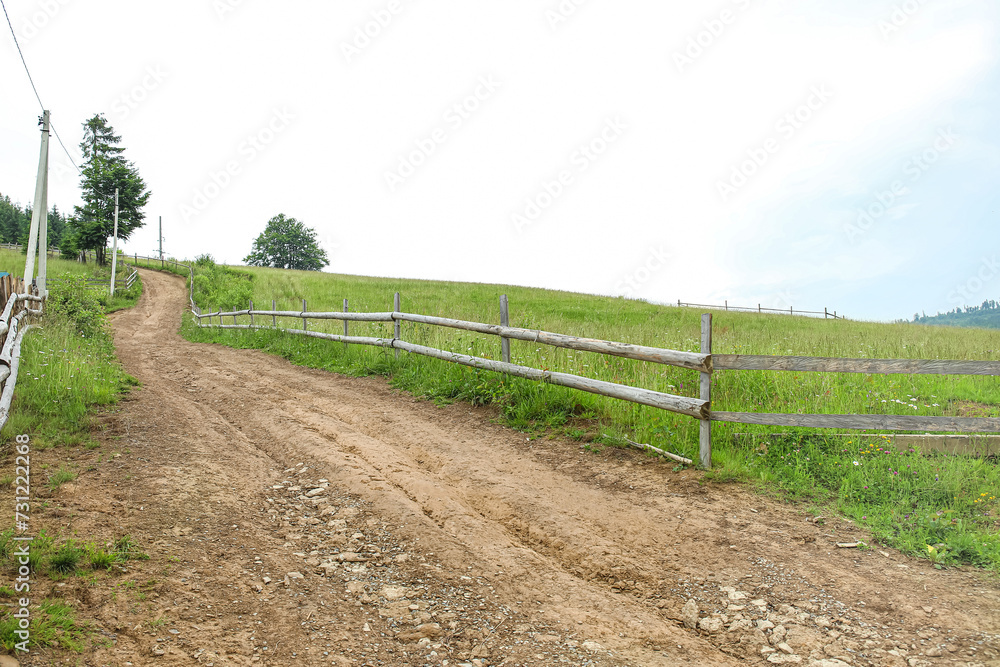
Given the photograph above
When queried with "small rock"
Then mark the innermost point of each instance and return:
(689, 614)
(351, 557)
(785, 648)
(830, 662)
(934, 652)
(393, 592)
(429, 630)
(711, 625)
(296, 575)
(315, 492)
(592, 646)
(764, 624)
(782, 659)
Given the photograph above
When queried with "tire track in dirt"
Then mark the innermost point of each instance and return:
(570, 546)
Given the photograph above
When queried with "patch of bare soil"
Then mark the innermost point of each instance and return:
(296, 517)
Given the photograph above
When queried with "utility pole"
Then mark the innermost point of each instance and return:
(114, 247)
(161, 239)
(39, 214)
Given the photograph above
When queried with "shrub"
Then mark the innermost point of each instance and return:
(73, 300)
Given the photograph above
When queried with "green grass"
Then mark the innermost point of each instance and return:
(68, 369)
(60, 477)
(12, 262)
(898, 514)
(52, 623)
(156, 264)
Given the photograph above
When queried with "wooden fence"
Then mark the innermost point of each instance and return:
(759, 309)
(17, 299)
(704, 361)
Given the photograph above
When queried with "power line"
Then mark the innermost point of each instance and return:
(32, 81)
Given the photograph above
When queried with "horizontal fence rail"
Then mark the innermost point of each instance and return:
(681, 404)
(752, 362)
(864, 422)
(691, 360)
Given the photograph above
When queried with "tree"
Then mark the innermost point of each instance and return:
(105, 169)
(287, 244)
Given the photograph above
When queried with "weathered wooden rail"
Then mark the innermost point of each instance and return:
(684, 405)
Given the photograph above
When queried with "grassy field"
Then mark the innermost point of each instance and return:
(12, 262)
(940, 507)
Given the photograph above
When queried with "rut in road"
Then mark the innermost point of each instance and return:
(605, 547)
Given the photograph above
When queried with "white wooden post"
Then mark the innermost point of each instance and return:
(274, 318)
(705, 427)
(114, 247)
(305, 324)
(396, 331)
(504, 321)
(345, 325)
(251, 312)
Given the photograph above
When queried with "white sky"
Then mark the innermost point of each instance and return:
(188, 83)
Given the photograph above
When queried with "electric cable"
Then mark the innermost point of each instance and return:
(35, 89)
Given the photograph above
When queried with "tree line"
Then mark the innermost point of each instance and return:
(15, 221)
(986, 316)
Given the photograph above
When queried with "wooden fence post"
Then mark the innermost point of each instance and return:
(705, 427)
(504, 322)
(345, 325)
(305, 323)
(274, 318)
(251, 312)
(397, 328)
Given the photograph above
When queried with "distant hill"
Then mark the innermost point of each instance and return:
(986, 316)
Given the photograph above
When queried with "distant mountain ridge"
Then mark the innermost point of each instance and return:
(985, 316)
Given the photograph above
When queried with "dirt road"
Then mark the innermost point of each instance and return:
(295, 517)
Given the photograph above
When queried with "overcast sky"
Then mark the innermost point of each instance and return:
(838, 153)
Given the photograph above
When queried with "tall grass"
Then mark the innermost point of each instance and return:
(12, 262)
(740, 451)
(68, 365)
